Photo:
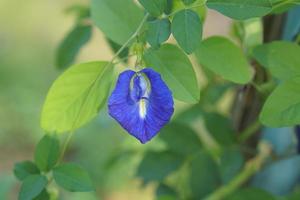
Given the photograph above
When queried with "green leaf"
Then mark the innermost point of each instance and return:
(79, 10)
(282, 107)
(44, 195)
(204, 175)
(281, 58)
(180, 139)
(158, 31)
(241, 9)
(32, 186)
(169, 6)
(250, 194)
(225, 59)
(24, 169)
(73, 178)
(155, 166)
(47, 152)
(71, 45)
(231, 162)
(117, 19)
(187, 30)
(280, 6)
(76, 96)
(164, 192)
(176, 70)
(188, 2)
(223, 133)
(154, 7)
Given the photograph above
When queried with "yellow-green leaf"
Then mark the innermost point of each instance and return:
(76, 96)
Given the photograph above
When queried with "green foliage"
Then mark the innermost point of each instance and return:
(158, 31)
(73, 178)
(164, 192)
(86, 86)
(187, 30)
(32, 186)
(225, 59)
(241, 9)
(249, 32)
(204, 175)
(181, 139)
(154, 7)
(47, 153)
(282, 107)
(250, 194)
(156, 166)
(231, 162)
(71, 45)
(281, 58)
(24, 169)
(180, 78)
(188, 2)
(223, 133)
(117, 19)
(280, 6)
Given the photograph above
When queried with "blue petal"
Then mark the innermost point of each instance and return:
(142, 103)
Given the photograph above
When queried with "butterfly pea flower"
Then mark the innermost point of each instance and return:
(141, 103)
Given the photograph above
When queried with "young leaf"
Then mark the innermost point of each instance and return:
(47, 152)
(176, 70)
(73, 178)
(225, 59)
(281, 58)
(155, 166)
(282, 107)
(154, 7)
(158, 31)
(76, 96)
(117, 19)
(24, 169)
(71, 45)
(187, 30)
(241, 9)
(32, 186)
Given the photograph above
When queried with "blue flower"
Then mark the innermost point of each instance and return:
(142, 103)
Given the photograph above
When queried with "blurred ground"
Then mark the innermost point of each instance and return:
(29, 33)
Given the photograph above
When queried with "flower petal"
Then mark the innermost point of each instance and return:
(142, 118)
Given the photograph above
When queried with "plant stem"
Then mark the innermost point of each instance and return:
(250, 168)
(249, 131)
(135, 34)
